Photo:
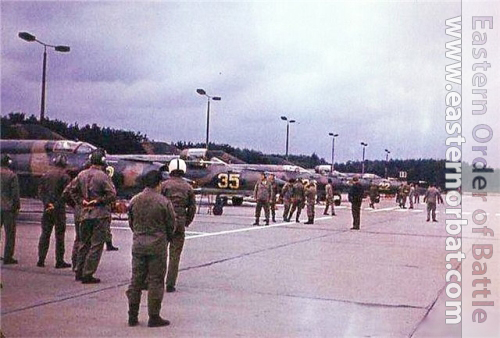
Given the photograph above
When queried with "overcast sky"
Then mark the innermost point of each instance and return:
(369, 71)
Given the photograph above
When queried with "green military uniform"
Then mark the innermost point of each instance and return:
(94, 192)
(298, 198)
(262, 194)
(10, 205)
(77, 211)
(310, 194)
(286, 195)
(432, 197)
(272, 200)
(152, 220)
(356, 198)
(329, 199)
(50, 191)
(374, 195)
(181, 194)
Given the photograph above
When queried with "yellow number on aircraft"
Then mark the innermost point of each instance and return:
(231, 181)
(384, 186)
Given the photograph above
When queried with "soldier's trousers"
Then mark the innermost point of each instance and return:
(329, 202)
(8, 219)
(411, 201)
(272, 207)
(310, 211)
(356, 215)
(174, 255)
(76, 244)
(262, 204)
(286, 209)
(431, 208)
(150, 269)
(93, 235)
(52, 219)
(296, 205)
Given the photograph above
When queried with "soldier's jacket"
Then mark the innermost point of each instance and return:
(286, 192)
(94, 184)
(329, 191)
(373, 191)
(274, 191)
(181, 194)
(262, 191)
(151, 217)
(9, 187)
(432, 195)
(412, 191)
(298, 191)
(66, 195)
(356, 193)
(406, 190)
(310, 193)
(51, 187)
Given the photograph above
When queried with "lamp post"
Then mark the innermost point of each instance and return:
(363, 163)
(387, 152)
(215, 98)
(63, 49)
(333, 148)
(284, 118)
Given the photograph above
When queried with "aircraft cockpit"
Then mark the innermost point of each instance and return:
(66, 146)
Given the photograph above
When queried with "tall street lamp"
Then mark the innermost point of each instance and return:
(284, 118)
(63, 49)
(215, 98)
(363, 163)
(333, 148)
(387, 152)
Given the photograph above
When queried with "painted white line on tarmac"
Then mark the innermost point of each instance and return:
(385, 209)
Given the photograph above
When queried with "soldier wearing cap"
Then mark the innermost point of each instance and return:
(10, 205)
(356, 198)
(50, 191)
(310, 194)
(329, 197)
(94, 192)
(286, 195)
(262, 194)
(152, 219)
(181, 194)
(298, 198)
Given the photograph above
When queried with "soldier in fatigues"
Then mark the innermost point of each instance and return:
(329, 197)
(50, 191)
(298, 198)
(411, 194)
(94, 192)
(262, 194)
(151, 217)
(77, 212)
(310, 194)
(356, 198)
(274, 193)
(181, 194)
(286, 195)
(374, 195)
(9, 186)
(432, 197)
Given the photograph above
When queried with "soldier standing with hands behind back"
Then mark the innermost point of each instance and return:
(181, 194)
(151, 217)
(94, 192)
(50, 190)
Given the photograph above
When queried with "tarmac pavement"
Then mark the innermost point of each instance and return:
(282, 280)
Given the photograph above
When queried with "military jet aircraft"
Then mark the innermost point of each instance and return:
(32, 158)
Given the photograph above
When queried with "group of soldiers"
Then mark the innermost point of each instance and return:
(296, 194)
(158, 217)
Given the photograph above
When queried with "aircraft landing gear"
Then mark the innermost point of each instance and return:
(218, 208)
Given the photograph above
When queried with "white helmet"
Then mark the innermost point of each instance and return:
(177, 164)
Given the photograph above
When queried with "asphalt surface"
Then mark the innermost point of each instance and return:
(239, 280)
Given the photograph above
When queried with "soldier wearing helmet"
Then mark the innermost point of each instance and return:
(94, 192)
(10, 205)
(181, 194)
(50, 191)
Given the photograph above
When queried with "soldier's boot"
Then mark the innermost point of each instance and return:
(40, 263)
(62, 265)
(110, 247)
(267, 221)
(297, 220)
(133, 314)
(157, 321)
(256, 222)
(309, 221)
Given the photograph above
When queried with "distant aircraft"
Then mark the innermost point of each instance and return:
(33, 158)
